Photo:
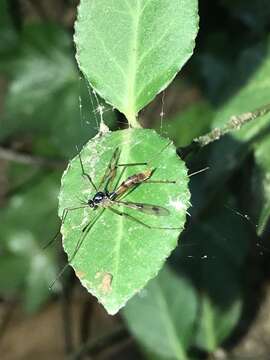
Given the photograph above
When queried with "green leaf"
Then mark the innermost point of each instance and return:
(162, 316)
(46, 96)
(216, 323)
(213, 256)
(253, 70)
(25, 266)
(261, 184)
(118, 256)
(131, 50)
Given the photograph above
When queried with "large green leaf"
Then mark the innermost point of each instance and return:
(46, 96)
(118, 256)
(25, 266)
(212, 254)
(253, 71)
(162, 317)
(131, 50)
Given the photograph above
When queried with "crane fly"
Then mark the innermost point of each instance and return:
(110, 196)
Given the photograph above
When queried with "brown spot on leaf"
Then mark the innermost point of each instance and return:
(106, 282)
(80, 274)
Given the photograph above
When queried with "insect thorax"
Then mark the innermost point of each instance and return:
(101, 198)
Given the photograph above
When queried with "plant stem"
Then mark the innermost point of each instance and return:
(235, 123)
(133, 120)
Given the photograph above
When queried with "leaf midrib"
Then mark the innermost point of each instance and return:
(131, 78)
(171, 330)
(120, 222)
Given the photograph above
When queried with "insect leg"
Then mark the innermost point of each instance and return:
(110, 171)
(86, 230)
(133, 164)
(84, 173)
(133, 218)
(63, 217)
(119, 178)
(160, 181)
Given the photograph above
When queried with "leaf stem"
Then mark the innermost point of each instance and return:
(235, 123)
(133, 120)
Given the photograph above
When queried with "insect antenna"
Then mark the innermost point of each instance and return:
(84, 173)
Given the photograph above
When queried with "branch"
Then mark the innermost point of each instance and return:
(11, 155)
(234, 123)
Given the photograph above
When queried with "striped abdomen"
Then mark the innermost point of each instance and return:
(132, 181)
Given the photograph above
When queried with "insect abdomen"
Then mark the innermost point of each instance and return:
(133, 180)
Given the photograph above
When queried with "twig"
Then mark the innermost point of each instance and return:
(11, 155)
(234, 123)
(97, 345)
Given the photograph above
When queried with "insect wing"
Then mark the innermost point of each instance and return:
(145, 208)
(110, 172)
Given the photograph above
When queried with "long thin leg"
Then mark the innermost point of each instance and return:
(85, 230)
(119, 178)
(133, 218)
(63, 217)
(159, 182)
(110, 171)
(133, 164)
(84, 173)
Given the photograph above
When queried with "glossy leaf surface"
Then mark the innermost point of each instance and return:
(118, 256)
(131, 50)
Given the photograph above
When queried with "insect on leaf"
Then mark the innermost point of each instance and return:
(117, 254)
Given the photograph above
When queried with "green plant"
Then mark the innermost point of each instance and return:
(219, 120)
(141, 64)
